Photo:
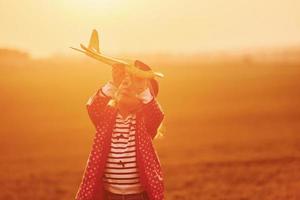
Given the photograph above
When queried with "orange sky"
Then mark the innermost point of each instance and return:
(48, 27)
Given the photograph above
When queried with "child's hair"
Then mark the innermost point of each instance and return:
(160, 131)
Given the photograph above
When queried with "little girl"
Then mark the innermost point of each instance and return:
(123, 163)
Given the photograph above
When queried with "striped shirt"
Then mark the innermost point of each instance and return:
(121, 172)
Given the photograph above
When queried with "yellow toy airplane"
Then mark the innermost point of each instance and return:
(93, 51)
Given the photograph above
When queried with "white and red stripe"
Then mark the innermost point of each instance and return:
(121, 172)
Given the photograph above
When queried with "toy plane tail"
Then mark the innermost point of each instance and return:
(94, 42)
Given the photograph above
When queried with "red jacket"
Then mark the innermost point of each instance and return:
(148, 118)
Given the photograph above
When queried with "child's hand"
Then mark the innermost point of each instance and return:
(118, 74)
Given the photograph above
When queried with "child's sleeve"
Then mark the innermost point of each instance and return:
(152, 112)
(98, 101)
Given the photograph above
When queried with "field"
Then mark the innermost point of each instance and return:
(232, 125)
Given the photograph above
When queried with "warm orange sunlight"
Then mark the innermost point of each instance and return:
(164, 99)
(50, 27)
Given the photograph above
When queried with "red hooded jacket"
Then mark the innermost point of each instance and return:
(103, 116)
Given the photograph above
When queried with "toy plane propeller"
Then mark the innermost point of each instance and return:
(93, 51)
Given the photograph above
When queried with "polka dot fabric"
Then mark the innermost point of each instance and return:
(103, 117)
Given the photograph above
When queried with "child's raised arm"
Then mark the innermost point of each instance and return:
(152, 112)
(98, 101)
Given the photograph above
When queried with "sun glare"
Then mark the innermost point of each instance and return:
(93, 4)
